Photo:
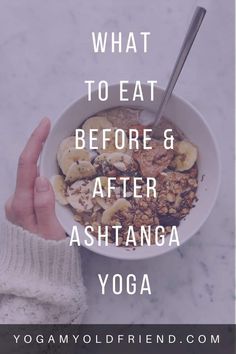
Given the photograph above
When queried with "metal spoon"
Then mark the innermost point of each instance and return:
(184, 51)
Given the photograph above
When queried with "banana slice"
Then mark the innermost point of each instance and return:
(72, 155)
(67, 143)
(120, 205)
(59, 188)
(119, 160)
(80, 170)
(100, 159)
(110, 144)
(104, 201)
(186, 155)
(80, 196)
(96, 122)
(104, 182)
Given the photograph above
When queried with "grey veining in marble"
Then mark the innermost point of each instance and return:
(45, 56)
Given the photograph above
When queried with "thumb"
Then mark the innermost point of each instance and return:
(44, 205)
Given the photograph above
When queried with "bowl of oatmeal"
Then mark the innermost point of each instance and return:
(120, 191)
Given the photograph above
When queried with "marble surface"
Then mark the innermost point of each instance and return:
(45, 56)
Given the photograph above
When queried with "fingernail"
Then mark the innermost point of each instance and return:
(41, 184)
(44, 121)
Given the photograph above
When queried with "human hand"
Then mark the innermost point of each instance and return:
(32, 205)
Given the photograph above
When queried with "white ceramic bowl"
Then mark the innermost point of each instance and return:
(184, 116)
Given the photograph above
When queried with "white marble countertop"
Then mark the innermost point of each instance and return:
(45, 56)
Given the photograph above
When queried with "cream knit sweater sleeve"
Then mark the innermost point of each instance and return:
(40, 281)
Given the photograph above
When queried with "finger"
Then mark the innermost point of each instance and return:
(27, 165)
(44, 206)
(15, 213)
(8, 209)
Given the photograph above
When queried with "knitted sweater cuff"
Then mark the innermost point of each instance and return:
(34, 267)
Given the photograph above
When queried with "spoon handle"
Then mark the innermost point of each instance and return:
(184, 51)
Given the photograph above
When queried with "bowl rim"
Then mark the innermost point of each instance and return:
(128, 255)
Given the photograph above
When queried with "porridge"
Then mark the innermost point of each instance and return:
(136, 186)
